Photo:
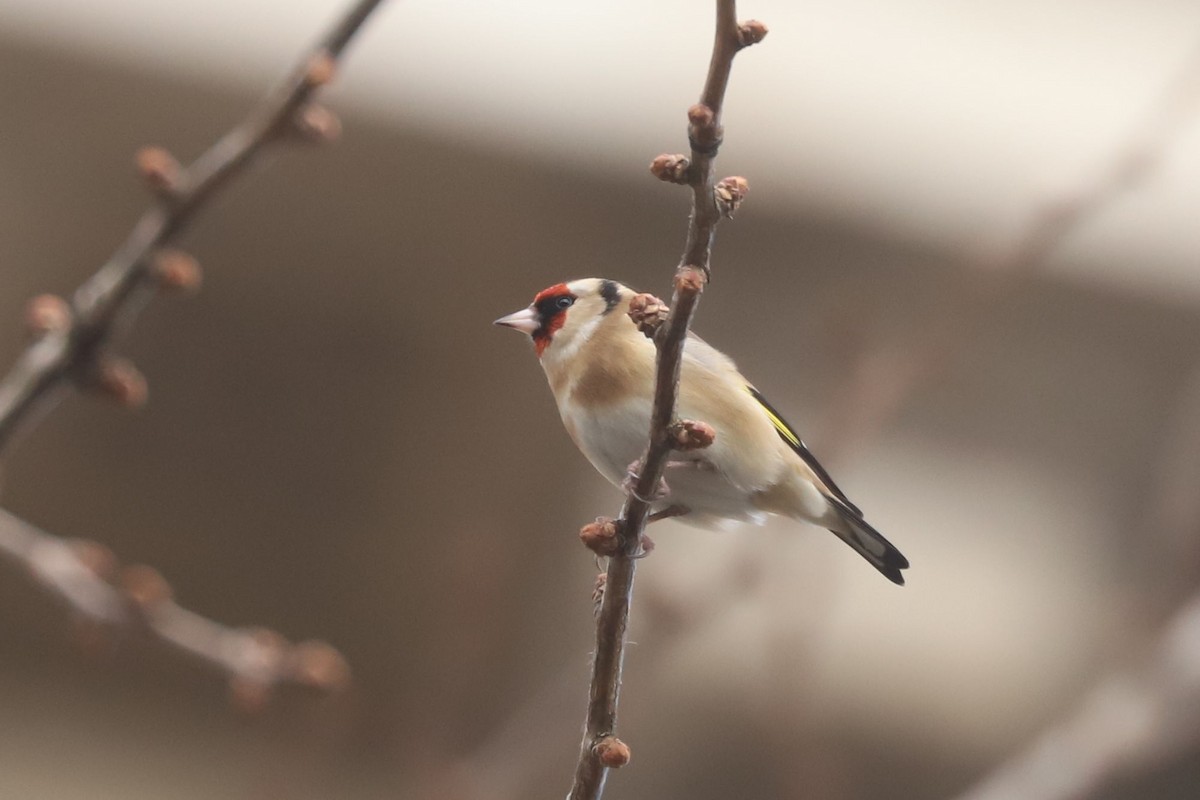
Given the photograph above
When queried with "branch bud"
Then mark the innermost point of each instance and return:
(145, 587)
(120, 380)
(318, 124)
(671, 168)
(47, 313)
(176, 270)
(730, 192)
(648, 313)
(700, 115)
(704, 134)
(690, 279)
(159, 170)
(751, 32)
(611, 752)
(321, 666)
(95, 558)
(321, 69)
(690, 434)
(601, 536)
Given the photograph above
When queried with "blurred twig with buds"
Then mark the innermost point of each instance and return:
(105, 597)
(600, 750)
(72, 344)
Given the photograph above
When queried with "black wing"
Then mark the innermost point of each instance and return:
(798, 447)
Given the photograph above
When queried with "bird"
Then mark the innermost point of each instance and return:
(601, 371)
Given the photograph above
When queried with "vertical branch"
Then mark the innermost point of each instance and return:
(600, 749)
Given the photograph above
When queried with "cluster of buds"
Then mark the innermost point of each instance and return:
(672, 168)
(751, 32)
(47, 313)
(602, 537)
(690, 280)
(611, 752)
(690, 434)
(321, 70)
(176, 270)
(120, 381)
(648, 313)
(160, 171)
(729, 193)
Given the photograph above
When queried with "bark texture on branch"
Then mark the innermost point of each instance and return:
(705, 133)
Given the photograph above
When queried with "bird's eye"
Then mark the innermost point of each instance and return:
(565, 302)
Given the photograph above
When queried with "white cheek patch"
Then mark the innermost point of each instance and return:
(578, 340)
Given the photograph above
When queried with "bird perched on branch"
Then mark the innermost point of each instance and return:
(601, 370)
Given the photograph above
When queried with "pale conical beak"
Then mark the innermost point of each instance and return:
(525, 320)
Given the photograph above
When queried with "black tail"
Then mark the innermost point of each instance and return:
(869, 543)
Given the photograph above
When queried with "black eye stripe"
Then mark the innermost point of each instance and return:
(547, 307)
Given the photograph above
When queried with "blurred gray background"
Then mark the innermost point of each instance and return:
(339, 445)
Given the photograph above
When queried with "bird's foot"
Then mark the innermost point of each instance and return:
(647, 544)
(646, 548)
(668, 512)
(633, 476)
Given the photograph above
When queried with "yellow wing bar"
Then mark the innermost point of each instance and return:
(798, 447)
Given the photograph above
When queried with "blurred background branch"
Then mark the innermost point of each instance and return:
(72, 344)
(80, 573)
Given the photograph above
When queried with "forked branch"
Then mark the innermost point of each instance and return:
(600, 749)
(71, 347)
(108, 302)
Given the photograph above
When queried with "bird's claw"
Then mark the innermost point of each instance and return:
(632, 477)
(647, 547)
(668, 513)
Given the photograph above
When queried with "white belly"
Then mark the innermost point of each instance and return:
(616, 437)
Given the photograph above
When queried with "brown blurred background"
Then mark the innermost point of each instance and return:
(339, 445)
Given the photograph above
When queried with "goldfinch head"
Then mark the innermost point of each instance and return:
(562, 316)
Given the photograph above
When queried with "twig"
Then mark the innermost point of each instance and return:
(599, 749)
(109, 301)
(890, 373)
(71, 343)
(78, 572)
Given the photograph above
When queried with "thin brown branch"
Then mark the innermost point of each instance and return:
(71, 345)
(705, 134)
(137, 600)
(109, 301)
(888, 374)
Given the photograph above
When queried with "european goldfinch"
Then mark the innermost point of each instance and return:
(601, 371)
